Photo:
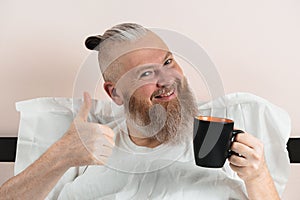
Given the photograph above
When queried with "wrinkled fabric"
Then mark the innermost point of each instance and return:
(171, 176)
(174, 176)
(178, 181)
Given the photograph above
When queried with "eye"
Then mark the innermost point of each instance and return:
(146, 74)
(169, 61)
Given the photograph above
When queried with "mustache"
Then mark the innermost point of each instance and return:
(175, 86)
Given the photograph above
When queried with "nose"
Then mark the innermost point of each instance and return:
(164, 81)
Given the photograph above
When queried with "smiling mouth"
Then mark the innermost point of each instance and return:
(164, 94)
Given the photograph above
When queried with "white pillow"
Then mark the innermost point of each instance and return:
(45, 120)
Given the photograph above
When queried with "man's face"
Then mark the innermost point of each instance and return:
(148, 70)
(156, 95)
(151, 85)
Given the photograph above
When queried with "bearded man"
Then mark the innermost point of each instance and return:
(150, 156)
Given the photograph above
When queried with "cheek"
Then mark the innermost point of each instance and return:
(178, 69)
(145, 91)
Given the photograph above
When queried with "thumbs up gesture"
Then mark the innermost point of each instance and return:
(86, 143)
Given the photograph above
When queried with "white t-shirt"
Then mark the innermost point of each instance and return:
(164, 172)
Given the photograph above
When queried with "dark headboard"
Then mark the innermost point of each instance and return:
(8, 147)
(293, 147)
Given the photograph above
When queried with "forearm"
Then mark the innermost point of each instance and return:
(75, 148)
(262, 188)
(36, 181)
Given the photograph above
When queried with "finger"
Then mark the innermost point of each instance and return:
(105, 150)
(102, 141)
(103, 130)
(242, 149)
(108, 133)
(238, 161)
(110, 140)
(247, 139)
(85, 107)
(103, 155)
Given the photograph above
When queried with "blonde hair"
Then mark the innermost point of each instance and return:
(117, 34)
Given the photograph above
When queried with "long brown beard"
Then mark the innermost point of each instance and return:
(167, 122)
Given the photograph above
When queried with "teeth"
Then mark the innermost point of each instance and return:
(167, 94)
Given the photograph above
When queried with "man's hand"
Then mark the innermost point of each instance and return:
(83, 144)
(86, 143)
(252, 168)
(251, 164)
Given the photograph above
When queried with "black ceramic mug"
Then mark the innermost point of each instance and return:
(213, 138)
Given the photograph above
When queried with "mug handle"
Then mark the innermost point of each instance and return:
(234, 134)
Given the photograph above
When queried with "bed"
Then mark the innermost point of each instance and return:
(281, 149)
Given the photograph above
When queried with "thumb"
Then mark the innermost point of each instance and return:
(85, 108)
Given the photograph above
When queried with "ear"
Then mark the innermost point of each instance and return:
(112, 93)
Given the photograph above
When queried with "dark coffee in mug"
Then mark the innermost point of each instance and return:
(213, 138)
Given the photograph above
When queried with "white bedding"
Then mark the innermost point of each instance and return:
(44, 120)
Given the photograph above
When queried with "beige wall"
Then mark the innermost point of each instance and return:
(254, 44)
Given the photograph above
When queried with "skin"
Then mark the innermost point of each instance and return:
(36, 181)
(252, 167)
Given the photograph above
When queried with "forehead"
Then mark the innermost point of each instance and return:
(114, 52)
(143, 57)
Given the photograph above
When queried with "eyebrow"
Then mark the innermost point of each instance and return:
(167, 55)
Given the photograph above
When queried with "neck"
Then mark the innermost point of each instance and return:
(146, 142)
(140, 140)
